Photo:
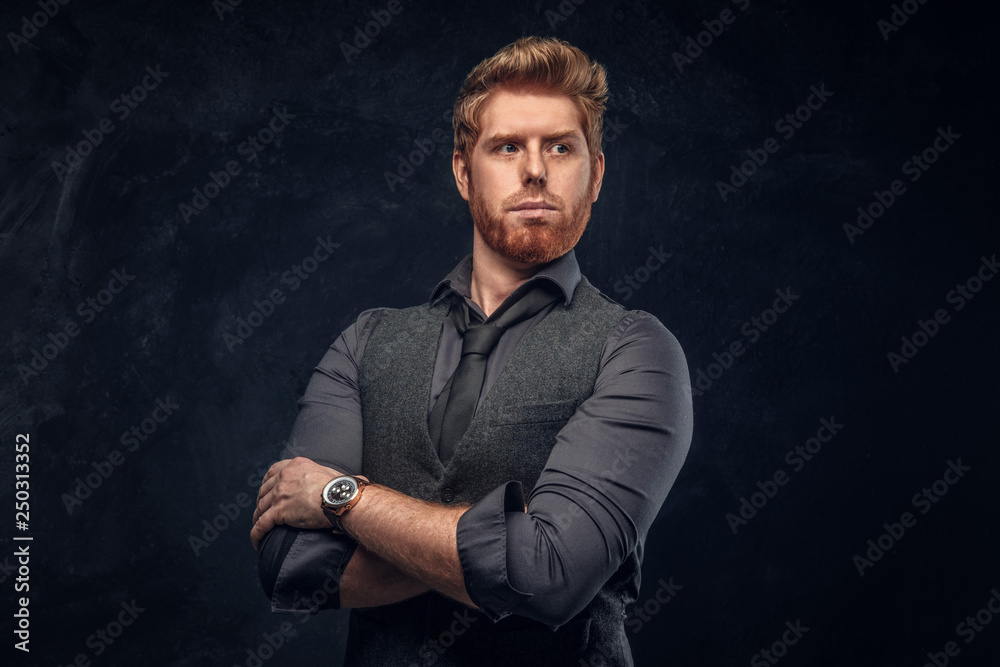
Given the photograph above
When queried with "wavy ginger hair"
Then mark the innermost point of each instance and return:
(545, 62)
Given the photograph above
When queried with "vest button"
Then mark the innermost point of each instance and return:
(447, 495)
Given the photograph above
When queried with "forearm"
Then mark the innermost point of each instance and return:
(370, 581)
(417, 537)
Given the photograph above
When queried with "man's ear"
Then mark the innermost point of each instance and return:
(598, 176)
(460, 167)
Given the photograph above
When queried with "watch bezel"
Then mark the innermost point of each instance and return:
(339, 504)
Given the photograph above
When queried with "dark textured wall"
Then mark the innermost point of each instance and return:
(162, 337)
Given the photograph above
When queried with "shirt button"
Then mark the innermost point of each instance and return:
(447, 495)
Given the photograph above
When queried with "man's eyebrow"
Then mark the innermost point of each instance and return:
(561, 135)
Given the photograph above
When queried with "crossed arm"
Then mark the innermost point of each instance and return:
(606, 478)
(406, 546)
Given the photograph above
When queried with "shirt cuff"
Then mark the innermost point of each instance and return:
(309, 575)
(482, 551)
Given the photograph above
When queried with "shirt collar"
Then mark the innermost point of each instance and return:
(564, 272)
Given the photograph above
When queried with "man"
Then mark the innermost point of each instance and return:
(517, 434)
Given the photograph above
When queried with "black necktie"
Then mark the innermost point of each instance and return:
(457, 404)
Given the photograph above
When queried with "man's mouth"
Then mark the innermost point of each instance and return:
(534, 208)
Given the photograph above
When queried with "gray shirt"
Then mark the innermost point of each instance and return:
(607, 476)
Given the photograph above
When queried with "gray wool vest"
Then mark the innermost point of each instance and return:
(551, 371)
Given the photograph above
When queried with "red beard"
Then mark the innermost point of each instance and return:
(534, 240)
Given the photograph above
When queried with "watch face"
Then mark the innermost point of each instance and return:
(341, 490)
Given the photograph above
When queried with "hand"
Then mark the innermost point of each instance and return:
(290, 495)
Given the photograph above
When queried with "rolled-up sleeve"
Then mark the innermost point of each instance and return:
(300, 570)
(606, 478)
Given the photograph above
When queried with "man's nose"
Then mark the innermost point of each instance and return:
(534, 167)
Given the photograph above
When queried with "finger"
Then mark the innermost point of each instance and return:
(262, 527)
(275, 469)
(257, 511)
(264, 504)
(266, 488)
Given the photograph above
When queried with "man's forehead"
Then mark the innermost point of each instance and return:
(530, 111)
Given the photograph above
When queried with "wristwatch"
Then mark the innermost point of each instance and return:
(339, 495)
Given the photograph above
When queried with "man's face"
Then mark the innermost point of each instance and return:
(530, 179)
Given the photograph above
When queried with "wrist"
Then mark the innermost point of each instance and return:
(339, 496)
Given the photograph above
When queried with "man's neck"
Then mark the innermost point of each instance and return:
(494, 277)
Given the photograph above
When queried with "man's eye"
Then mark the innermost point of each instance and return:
(503, 149)
(564, 147)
